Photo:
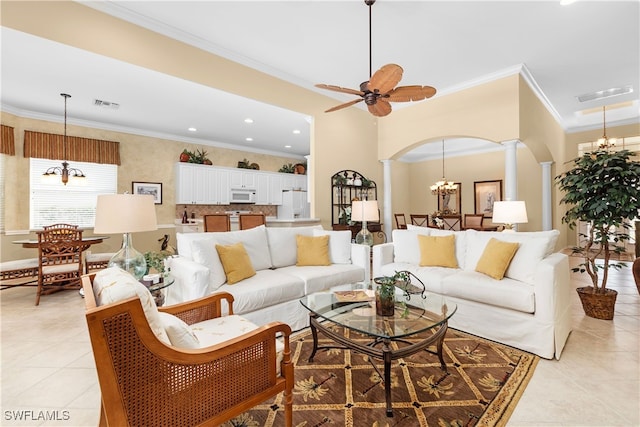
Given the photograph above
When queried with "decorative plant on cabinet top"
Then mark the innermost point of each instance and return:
(602, 189)
(199, 157)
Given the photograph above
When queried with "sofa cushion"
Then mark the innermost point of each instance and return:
(312, 250)
(317, 278)
(253, 239)
(534, 246)
(282, 243)
(235, 262)
(405, 245)
(113, 285)
(496, 258)
(474, 286)
(339, 245)
(266, 288)
(461, 242)
(437, 251)
(180, 334)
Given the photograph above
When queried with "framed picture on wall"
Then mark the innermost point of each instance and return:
(152, 188)
(451, 203)
(485, 194)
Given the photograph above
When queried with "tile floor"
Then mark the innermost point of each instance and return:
(47, 365)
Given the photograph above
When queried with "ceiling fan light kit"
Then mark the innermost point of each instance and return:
(380, 89)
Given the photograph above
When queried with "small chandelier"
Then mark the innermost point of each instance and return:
(443, 187)
(65, 172)
(605, 143)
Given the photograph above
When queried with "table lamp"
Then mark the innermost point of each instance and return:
(509, 213)
(365, 210)
(126, 214)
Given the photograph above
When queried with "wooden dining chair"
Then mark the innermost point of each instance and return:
(217, 222)
(251, 220)
(401, 221)
(420, 220)
(60, 250)
(473, 221)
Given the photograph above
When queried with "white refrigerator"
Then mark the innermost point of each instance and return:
(294, 205)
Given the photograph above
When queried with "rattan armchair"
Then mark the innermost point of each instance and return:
(147, 383)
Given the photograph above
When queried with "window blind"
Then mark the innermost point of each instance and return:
(57, 203)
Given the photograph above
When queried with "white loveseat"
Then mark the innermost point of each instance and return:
(528, 309)
(273, 294)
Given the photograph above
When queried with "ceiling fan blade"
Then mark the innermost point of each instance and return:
(386, 78)
(410, 93)
(340, 89)
(345, 105)
(380, 109)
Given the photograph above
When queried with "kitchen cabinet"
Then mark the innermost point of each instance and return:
(294, 182)
(243, 178)
(201, 185)
(268, 188)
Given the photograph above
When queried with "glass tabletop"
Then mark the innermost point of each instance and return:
(163, 283)
(410, 317)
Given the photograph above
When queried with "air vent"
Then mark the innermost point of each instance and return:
(614, 91)
(106, 104)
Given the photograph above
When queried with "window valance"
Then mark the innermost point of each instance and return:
(51, 146)
(8, 143)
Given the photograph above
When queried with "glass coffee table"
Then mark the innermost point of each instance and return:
(391, 336)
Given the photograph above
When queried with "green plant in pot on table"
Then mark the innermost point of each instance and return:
(385, 292)
(602, 189)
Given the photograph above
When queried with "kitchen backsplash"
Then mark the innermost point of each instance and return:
(200, 210)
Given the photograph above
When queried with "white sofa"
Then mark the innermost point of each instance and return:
(273, 294)
(528, 309)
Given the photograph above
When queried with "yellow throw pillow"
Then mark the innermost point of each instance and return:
(438, 251)
(313, 250)
(496, 258)
(235, 262)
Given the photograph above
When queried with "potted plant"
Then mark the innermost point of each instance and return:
(287, 168)
(602, 190)
(155, 261)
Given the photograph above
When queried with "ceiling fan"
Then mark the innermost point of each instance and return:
(380, 89)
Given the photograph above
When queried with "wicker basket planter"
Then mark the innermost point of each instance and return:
(598, 305)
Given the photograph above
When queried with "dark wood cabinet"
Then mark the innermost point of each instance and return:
(348, 186)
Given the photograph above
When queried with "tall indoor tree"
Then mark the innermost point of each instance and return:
(602, 189)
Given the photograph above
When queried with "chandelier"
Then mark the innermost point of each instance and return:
(605, 143)
(65, 172)
(443, 187)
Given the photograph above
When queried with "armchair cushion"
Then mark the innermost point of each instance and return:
(180, 334)
(113, 285)
(236, 262)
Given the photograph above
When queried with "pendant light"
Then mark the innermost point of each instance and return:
(605, 143)
(443, 187)
(65, 172)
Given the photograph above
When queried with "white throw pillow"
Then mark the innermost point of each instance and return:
(339, 245)
(405, 246)
(282, 243)
(113, 285)
(204, 252)
(179, 333)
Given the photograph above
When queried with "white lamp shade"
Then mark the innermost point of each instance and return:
(125, 213)
(510, 212)
(365, 210)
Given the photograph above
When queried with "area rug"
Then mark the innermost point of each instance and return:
(340, 388)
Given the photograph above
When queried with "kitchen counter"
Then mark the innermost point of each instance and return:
(197, 225)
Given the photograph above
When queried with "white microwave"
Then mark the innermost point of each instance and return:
(242, 196)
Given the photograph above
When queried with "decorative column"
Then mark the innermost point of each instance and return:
(510, 170)
(547, 222)
(386, 177)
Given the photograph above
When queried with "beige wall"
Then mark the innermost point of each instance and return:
(498, 111)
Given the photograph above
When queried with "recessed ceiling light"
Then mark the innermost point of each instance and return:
(192, 129)
(606, 93)
(287, 146)
(296, 131)
(248, 120)
(248, 139)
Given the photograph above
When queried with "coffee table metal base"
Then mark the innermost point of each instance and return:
(379, 348)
